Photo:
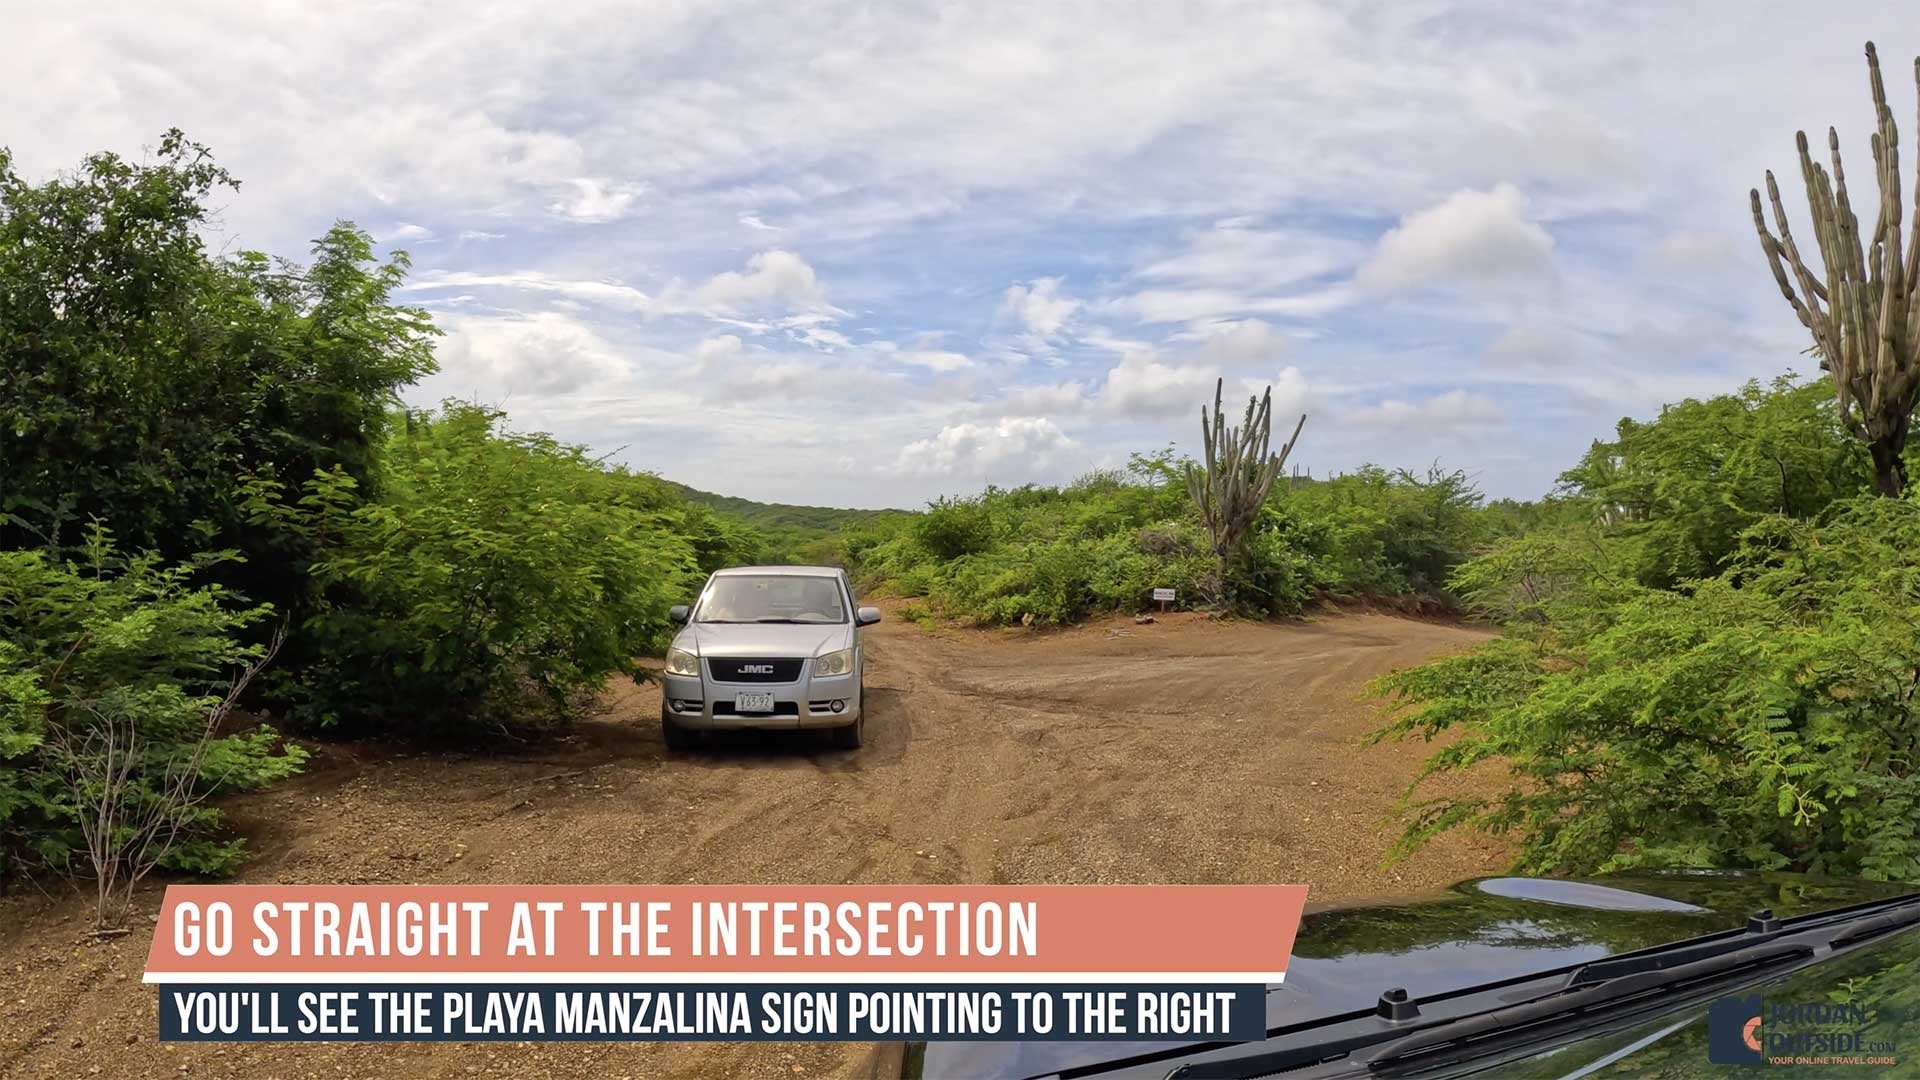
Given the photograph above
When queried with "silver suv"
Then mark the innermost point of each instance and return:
(772, 647)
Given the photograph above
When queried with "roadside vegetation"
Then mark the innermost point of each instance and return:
(214, 507)
(1712, 660)
(216, 513)
(1046, 556)
(1709, 660)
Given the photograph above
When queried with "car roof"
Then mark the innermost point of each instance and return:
(792, 571)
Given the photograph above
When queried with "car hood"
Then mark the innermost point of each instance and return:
(1478, 931)
(763, 639)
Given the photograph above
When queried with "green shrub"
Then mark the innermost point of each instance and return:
(496, 583)
(115, 678)
(1677, 491)
(1377, 533)
(1762, 717)
(1039, 555)
(953, 528)
(146, 379)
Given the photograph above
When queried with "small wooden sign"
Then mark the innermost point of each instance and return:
(1164, 596)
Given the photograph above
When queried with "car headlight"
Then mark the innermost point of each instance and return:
(682, 662)
(833, 663)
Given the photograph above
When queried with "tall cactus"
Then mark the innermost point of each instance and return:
(1864, 312)
(1238, 471)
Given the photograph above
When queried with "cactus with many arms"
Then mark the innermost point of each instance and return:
(1238, 471)
(1864, 312)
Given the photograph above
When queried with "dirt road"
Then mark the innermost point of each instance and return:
(1184, 751)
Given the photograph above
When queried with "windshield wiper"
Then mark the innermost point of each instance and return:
(1605, 990)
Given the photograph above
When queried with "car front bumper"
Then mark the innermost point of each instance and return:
(702, 704)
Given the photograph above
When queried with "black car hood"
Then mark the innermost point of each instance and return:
(1478, 931)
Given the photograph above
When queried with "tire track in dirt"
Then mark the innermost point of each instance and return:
(1183, 751)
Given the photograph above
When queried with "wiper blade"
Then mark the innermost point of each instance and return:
(1646, 981)
(1572, 1009)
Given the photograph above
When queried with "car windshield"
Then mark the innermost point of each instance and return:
(772, 598)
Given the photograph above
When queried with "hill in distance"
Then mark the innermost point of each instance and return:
(791, 532)
(820, 519)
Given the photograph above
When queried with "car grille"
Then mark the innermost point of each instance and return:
(735, 669)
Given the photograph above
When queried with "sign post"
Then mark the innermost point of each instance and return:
(1163, 597)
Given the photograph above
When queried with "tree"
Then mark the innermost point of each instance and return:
(496, 584)
(1864, 311)
(145, 379)
(1232, 482)
(1675, 492)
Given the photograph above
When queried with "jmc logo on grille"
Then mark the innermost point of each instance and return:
(756, 669)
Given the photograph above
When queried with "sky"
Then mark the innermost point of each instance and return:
(865, 254)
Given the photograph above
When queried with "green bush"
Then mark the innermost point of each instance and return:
(1762, 717)
(1676, 492)
(497, 582)
(146, 379)
(1040, 555)
(114, 680)
(953, 528)
(1377, 533)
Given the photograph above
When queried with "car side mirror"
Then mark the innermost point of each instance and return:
(679, 613)
(866, 616)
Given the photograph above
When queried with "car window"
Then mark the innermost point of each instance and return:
(772, 598)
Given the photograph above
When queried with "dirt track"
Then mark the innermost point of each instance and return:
(1184, 751)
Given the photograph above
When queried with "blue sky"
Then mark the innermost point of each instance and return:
(866, 254)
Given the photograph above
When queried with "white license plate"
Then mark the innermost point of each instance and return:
(761, 702)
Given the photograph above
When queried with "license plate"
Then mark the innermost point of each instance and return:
(760, 702)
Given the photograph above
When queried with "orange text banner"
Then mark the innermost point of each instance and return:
(1004, 933)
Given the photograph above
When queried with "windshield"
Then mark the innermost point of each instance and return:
(772, 598)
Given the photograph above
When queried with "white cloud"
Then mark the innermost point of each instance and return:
(1291, 396)
(761, 383)
(717, 350)
(1450, 411)
(1692, 250)
(1687, 340)
(977, 450)
(1233, 344)
(773, 282)
(596, 200)
(1038, 307)
(934, 359)
(1538, 344)
(923, 352)
(406, 233)
(1045, 399)
(1198, 305)
(1239, 171)
(773, 279)
(1472, 236)
(1231, 254)
(540, 355)
(608, 293)
(1142, 386)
